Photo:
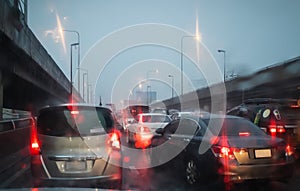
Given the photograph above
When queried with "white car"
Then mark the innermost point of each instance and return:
(179, 114)
(142, 130)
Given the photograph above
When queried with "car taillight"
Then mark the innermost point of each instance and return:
(34, 143)
(114, 140)
(143, 129)
(74, 112)
(143, 137)
(223, 152)
(280, 129)
(244, 134)
(276, 129)
(289, 150)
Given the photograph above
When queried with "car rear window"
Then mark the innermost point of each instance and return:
(234, 127)
(82, 121)
(160, 119)
(155, 119)
(291, 113)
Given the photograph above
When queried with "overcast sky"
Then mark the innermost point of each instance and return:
(254, 34)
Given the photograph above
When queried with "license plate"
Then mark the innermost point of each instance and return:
(263, 153)
(75, 165)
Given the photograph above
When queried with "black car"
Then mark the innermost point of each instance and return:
(277, 117)
(218, 148)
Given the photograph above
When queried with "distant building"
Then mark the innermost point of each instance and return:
(145, 97)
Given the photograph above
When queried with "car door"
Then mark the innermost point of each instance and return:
(173, 142)
(184, 134)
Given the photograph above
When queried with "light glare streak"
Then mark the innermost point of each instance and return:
(198, 39)
(60, 32)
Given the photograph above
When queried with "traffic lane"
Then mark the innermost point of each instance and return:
(137, 178)
(138, 174)
(150, 179)
(153, 179)
(292, 185)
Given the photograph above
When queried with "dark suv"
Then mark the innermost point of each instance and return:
(277, 117)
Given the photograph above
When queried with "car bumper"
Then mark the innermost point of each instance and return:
(42, 178)
(239, 173)
(292, 139)
(96, 182)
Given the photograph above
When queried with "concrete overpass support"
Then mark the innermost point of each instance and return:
(1, 95)
(30, 77)
(281, 80)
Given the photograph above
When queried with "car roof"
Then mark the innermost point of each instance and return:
(210, 116)
(153, 114)
(72, 105)
(269, 101)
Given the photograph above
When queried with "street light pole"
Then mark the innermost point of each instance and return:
(71, 69)
(78, 41)
(148, 72)
(71, 75)
(83, 84)
(224, 64)
(148, 94)
(181, 58)
(171, 76)
(89, 93)
(151, 71)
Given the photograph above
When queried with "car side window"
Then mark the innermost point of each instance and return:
(171, 127)
(201, 130)
(188, 127)
(232, 112)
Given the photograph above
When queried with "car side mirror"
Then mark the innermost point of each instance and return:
(242, 111)
(159, 131)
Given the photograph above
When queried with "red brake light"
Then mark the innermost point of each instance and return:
(223, 152)
(280, 129)
(244, 134)
(34, 143)
(74, 112)
(272, 129)
(114, 140)
(143, 137)
(289, 150)
(143, 129)
(276, 129)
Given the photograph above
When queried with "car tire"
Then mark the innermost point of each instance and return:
(198, 172)
(191, 171)
(127, 137)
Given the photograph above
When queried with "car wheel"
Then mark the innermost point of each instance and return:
(127, 137)
(192, 172)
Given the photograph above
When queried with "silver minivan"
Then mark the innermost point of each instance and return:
(76, 145)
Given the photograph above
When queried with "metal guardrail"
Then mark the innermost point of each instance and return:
(13, 124)
(14, 150)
